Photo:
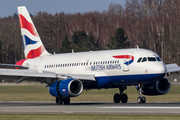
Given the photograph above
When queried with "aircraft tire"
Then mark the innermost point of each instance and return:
(124, 98)
(58, 101)
(143, 100)
(67, 101)
(139, 100)
(117, 98)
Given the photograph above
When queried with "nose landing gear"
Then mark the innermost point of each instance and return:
(122, 96)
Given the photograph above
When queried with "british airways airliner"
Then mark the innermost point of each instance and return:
(68, 74)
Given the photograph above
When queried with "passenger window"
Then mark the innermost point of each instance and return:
(144, 59)
(118, 61)
(158, 58)
(139, 60)
(151, 59)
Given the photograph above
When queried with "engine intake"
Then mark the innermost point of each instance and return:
(66, 88)
(158, 88)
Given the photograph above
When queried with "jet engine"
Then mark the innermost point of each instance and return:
(66, 88)
(158, 88)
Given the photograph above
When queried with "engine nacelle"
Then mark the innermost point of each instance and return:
(158, 88)
(66, 88)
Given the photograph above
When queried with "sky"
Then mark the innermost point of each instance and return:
(9, 7)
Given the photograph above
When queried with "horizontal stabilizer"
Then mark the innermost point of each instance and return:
(12, 66)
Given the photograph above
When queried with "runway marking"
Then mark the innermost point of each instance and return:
(143, 107)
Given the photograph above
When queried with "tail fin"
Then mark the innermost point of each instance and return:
(32, 43)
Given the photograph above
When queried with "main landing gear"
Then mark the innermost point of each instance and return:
(122, 96)
(60, 101)
(141, 99)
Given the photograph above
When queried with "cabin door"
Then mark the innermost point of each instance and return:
(87, 65)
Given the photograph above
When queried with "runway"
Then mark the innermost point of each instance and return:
(90, 108)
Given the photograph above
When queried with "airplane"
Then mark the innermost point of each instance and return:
(68, 74)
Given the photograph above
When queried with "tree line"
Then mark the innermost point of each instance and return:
(151, 24)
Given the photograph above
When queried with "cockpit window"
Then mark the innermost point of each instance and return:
(139, 60)
(144, 59)
(158, 58)
(151, 59)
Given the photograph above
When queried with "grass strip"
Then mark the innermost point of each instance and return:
(85, 117)
(41, 93)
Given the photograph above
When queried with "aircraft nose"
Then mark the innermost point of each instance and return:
(160, 68)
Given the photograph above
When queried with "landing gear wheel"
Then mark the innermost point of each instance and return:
(143, 100)
(67, 101)
(117, 98)
(58, 101)
(124, 98)
(139, 100)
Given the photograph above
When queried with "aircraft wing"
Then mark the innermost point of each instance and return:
(172, 68)
(45, 77)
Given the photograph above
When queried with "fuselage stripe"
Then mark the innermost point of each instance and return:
(126, 57)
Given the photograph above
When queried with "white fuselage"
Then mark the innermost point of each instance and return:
(100, 63)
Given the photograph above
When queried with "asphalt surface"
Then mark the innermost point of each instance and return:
(90, 108)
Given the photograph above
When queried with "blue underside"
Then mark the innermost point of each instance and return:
(115, 81)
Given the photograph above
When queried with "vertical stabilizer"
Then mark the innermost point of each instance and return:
(32, 43)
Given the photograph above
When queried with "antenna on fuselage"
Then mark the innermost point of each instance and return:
(137, 46)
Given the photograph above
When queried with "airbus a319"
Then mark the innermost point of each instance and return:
(68, 74)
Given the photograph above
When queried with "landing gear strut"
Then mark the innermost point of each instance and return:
(122, 96)
(60, 101)
(141, 99)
